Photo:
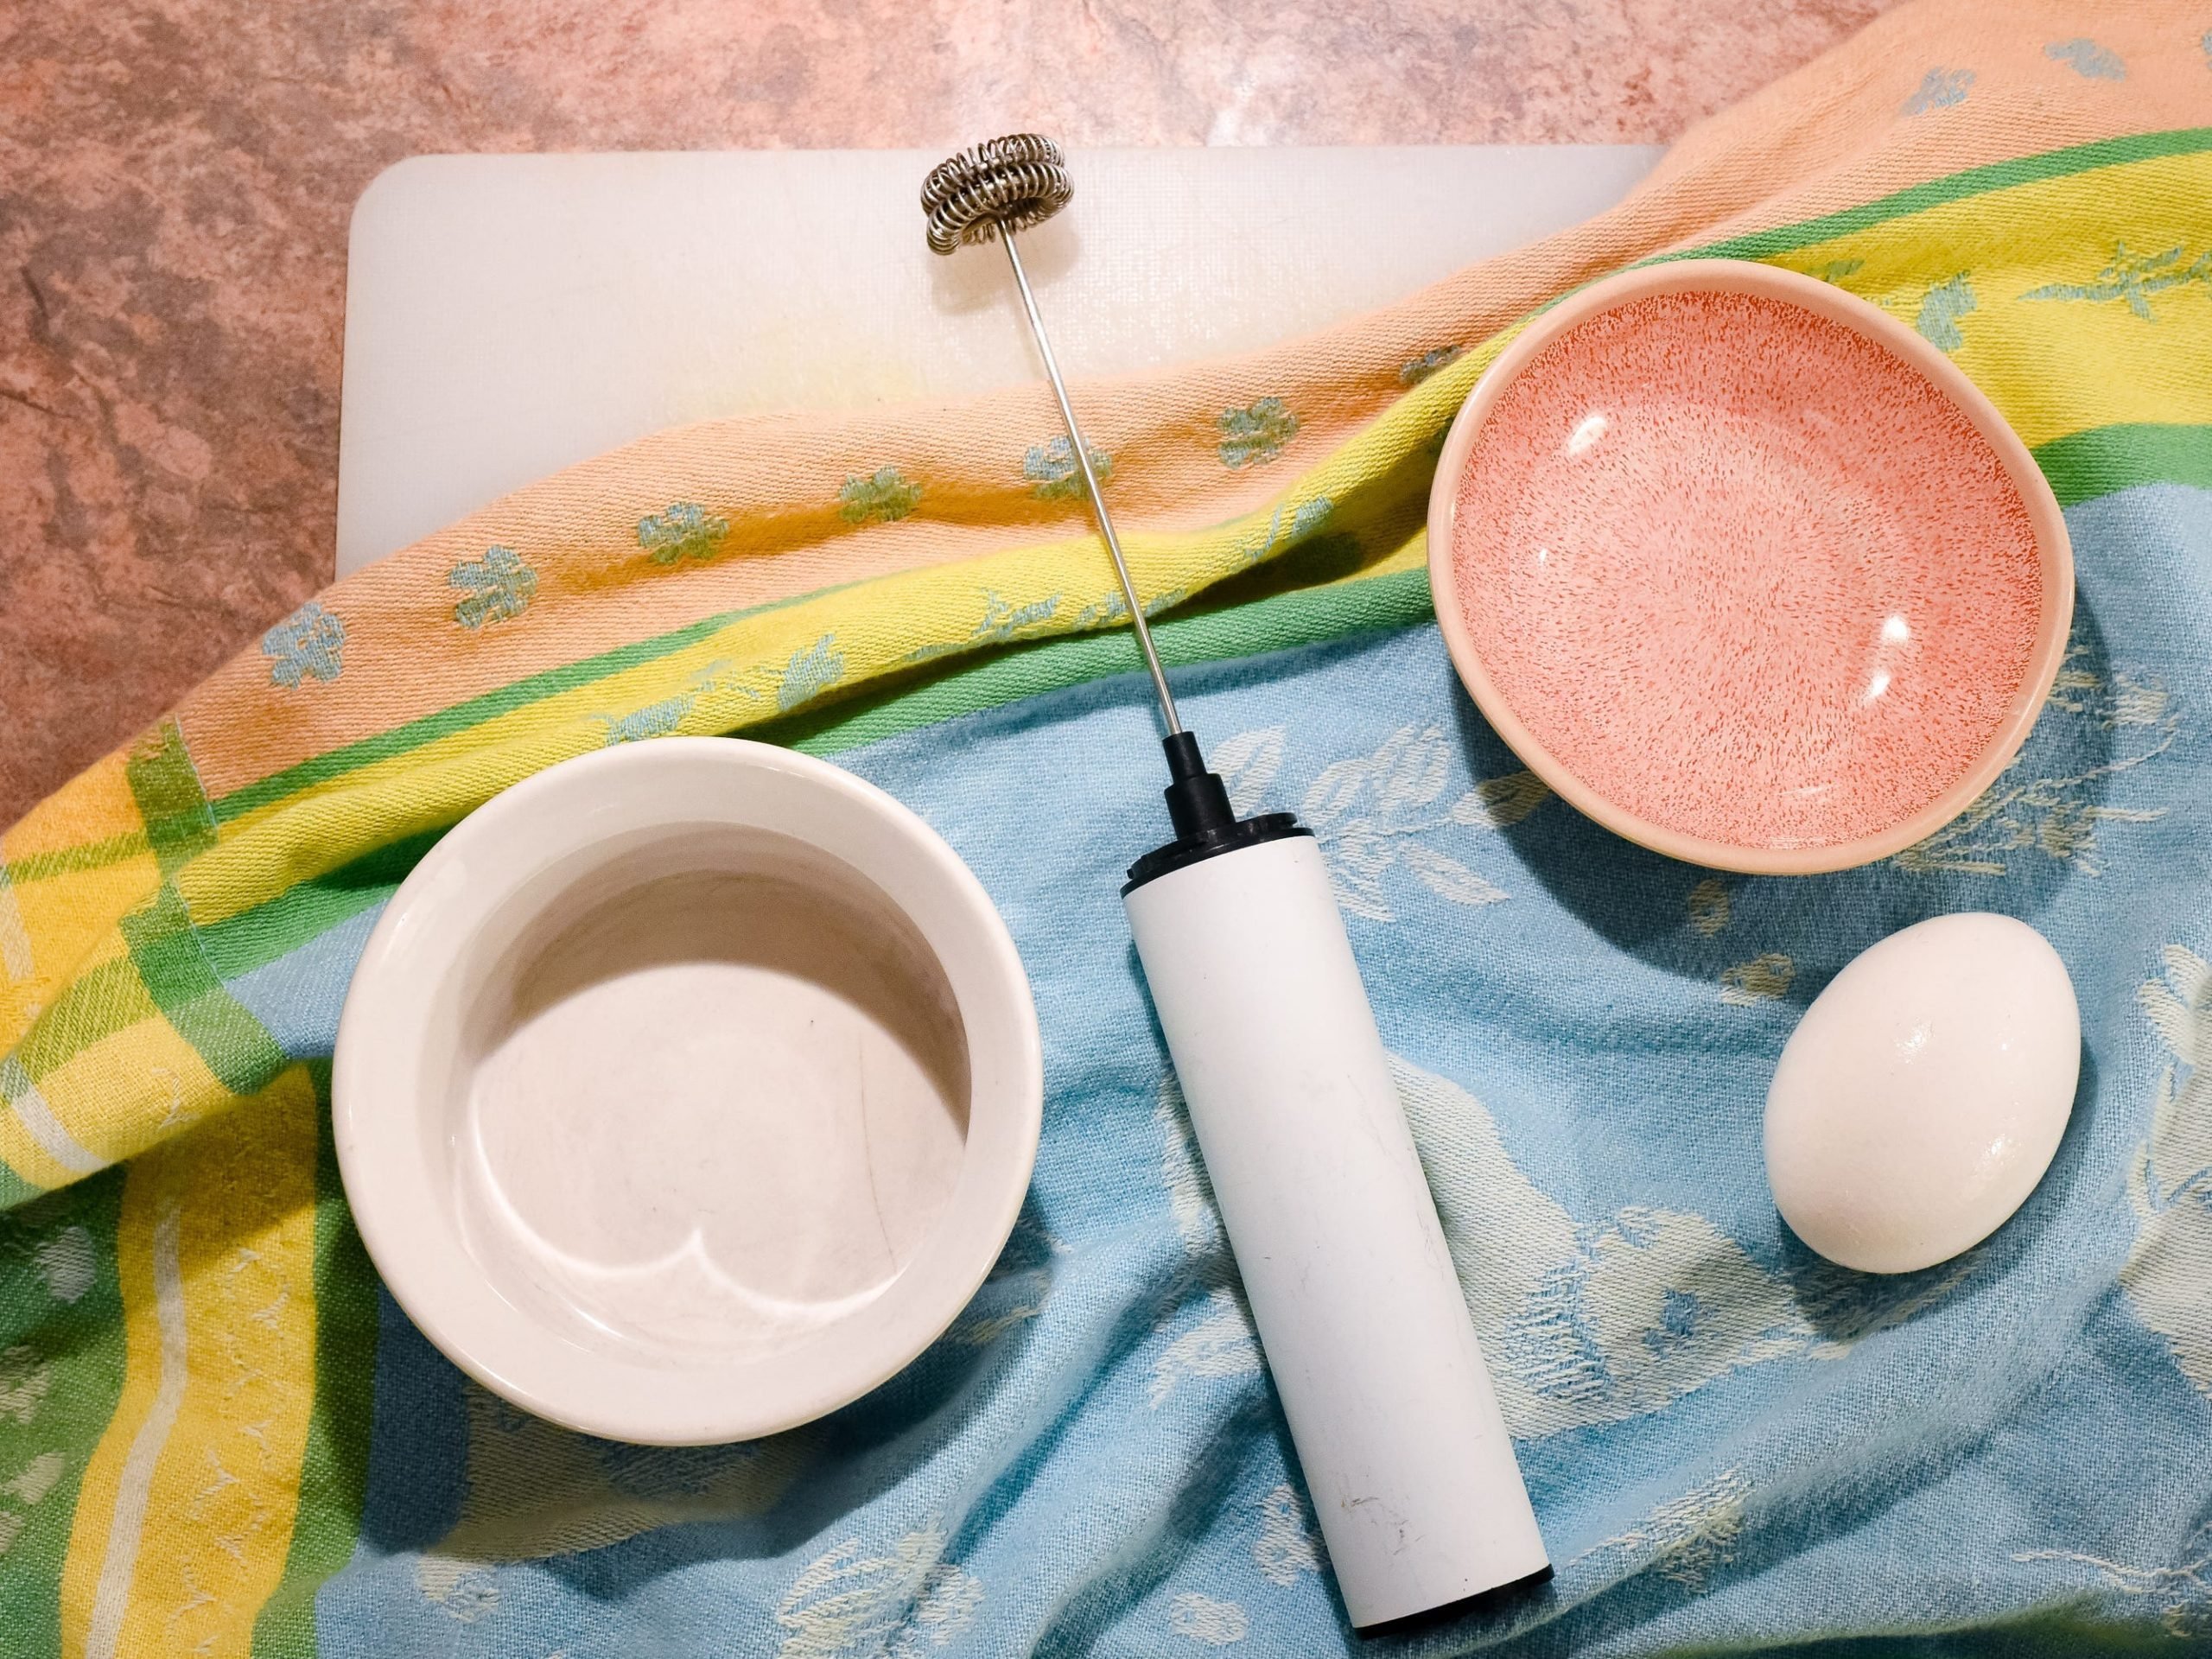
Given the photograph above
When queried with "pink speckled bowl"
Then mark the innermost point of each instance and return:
(1746, 570)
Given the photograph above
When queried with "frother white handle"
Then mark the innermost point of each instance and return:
(1405, 1452)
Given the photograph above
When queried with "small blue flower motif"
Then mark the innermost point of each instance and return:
(683, 529)
(1415, 370)
(1254, 436)
(1108, 610)
(1002, 621)
(1940, 90)
(1938, 322)
(498, 586)
(2091, 61)
(1052, 472)
(810, 673)
(2135, 279)
(654, 720)
(887, 495)
(309, 644)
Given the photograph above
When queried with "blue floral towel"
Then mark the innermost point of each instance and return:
(1729, 1443)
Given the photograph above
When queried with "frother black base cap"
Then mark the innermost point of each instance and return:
(1205, 824)
(1191, 850)
(1481, 1600)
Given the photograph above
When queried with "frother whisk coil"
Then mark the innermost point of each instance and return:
(1002, 184)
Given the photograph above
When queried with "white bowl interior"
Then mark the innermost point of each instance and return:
(687, 1090)
(708, 1093)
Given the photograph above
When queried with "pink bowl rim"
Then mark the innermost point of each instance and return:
(2054, 550)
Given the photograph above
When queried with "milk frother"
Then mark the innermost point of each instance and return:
(1366, 1334)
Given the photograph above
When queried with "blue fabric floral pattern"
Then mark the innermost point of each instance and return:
(2088, 59)
(1254, 436)
(309, 644)
(1940, 311)
(887, 495)
(810, 673)
(1942, 89)
(1052, 472)
(2134, 279)
(683, 529)
(497, 588)
(1415, 370)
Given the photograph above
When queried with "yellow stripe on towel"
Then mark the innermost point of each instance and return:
(2074, 303)
(188, 1505)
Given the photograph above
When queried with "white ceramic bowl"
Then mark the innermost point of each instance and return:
(687, 1090)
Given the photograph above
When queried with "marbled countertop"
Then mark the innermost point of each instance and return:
(175, 179)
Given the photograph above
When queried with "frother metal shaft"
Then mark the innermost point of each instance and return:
(995, 189)
(1082, 451)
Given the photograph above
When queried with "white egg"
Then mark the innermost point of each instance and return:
(1920, 1097)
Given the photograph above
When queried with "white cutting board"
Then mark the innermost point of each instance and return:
(507, 315)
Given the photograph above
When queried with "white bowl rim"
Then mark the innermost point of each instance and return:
(377, 1113)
